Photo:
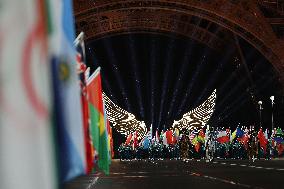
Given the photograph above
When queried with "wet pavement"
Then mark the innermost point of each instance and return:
(172, 174)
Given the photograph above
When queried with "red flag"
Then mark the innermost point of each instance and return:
(244, 140)
(169, 135)
(262, 140)
(280, 148)
(197, 147)
(85, 112)
(127, 142)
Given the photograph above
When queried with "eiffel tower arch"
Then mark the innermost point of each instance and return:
(233, 17)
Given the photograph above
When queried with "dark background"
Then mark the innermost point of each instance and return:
(159, 77)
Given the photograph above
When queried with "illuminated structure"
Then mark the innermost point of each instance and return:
(198, 117)
(126, 123)
(221, 25)
(123, 121)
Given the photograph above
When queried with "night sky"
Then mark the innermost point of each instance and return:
(159, 77)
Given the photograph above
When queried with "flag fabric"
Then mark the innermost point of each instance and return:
(68, 121)
(278, 136)
(27, 157)
(244, 139)
(157, 136)
(146, 143)
(278, 140)
(239, 133)
(128, 139)
(196, 143)
(165, 140)
(280, 148)
(201, 136)
(222, 137)
(83, 73)
(169, 136)
(262, 140)
(233, 136)
(98, 120)
(192, 136)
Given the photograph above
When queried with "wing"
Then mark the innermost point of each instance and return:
(198, 117)
(123, 121)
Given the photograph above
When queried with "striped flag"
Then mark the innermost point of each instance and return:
(26, 142)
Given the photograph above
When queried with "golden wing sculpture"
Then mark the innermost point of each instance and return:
(198, 117)
(123, 121)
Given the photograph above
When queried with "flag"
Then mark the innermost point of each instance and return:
(165, 140)
(128, 139)
(157, 137)
(201, 136)
(233, 136)
(27, 159)
(83, 73)
(262, 140)
(196, 143)
(278, 136)
(239, 133)
(192, 136)
(67, 104)
(244, 140)
(222, 137)
(98, 122)
(280, 148)
(169, 136)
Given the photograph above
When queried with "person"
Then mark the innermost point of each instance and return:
(252, 147)
(210, 148)
(184, 147)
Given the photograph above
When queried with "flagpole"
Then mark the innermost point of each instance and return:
(272, 119)
(260, 108)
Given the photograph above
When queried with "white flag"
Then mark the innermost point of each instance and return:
(27, 158)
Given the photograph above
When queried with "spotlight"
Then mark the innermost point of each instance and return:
(260, 103)
(272, 98)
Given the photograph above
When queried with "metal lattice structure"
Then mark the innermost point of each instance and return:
(109, 17)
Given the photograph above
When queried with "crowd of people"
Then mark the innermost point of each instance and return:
(209, 143)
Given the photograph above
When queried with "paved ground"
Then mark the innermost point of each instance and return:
(194, 174)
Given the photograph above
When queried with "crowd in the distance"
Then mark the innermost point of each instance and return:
(209, 143)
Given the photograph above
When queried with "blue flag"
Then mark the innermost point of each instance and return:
(67, 101)
(240, 133)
